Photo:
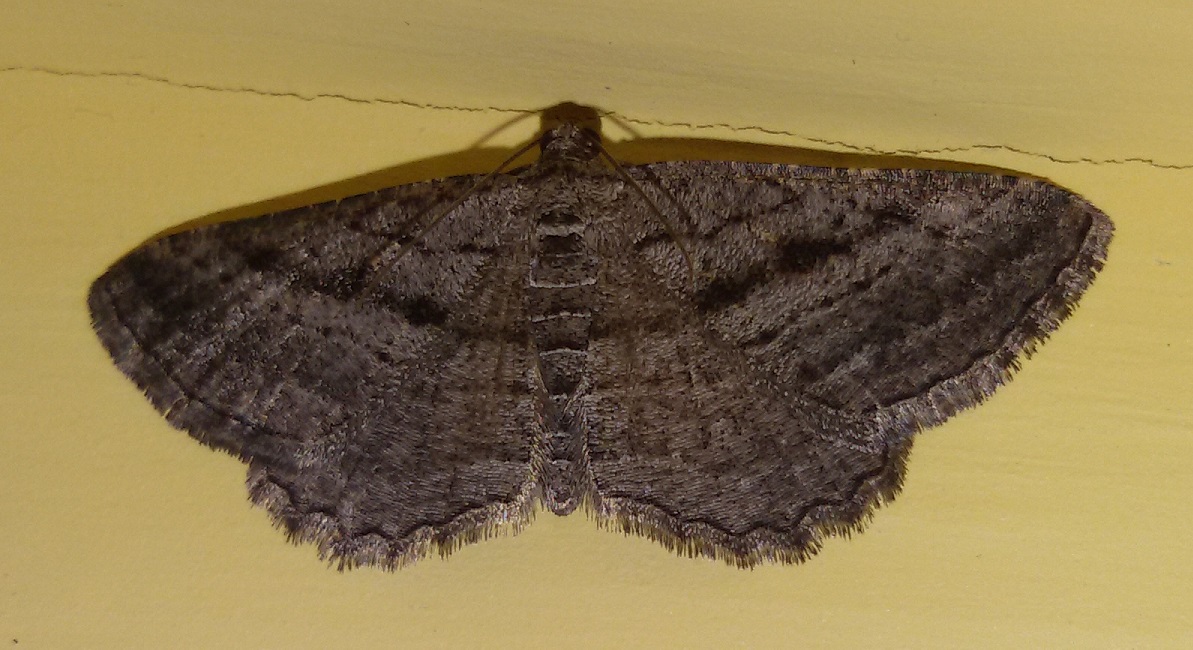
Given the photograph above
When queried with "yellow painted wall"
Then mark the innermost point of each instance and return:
(1056, 515)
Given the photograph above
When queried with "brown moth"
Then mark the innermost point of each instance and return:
(731, 358)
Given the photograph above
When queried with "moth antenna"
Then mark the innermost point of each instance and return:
(405, 248)
(671, 232)
(521, 115)
(625, 126)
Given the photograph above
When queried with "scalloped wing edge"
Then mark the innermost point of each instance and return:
(187, 413)
(845, 518)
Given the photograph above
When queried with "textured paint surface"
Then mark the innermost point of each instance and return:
(1056, 515)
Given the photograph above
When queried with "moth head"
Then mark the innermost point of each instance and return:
(570, 142)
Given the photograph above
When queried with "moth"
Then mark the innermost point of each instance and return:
(730, 358)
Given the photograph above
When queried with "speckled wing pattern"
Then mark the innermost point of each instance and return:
(836, 312)
(383, 406)
(731, 358)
